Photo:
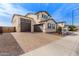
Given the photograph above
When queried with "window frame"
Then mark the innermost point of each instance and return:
(44, 16)
(53, 26)
(49, 25)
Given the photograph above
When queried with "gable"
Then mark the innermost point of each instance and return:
(43, 12)
(48, 21)
(51, 21)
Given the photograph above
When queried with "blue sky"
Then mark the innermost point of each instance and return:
(58, 11)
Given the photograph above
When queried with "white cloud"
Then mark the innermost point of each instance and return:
(10, 9)
(7, 10)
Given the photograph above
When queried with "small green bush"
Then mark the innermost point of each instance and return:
(72, 28)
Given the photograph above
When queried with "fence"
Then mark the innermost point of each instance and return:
(7, 29)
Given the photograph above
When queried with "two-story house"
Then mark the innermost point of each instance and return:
(34, 22)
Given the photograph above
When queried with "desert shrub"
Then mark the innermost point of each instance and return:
(72, 28)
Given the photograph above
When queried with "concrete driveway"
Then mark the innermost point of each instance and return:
(67, 46)
(31, 41)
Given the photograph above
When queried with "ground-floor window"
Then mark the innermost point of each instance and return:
(51, 26)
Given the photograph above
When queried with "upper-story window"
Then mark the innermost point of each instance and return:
(44, 16)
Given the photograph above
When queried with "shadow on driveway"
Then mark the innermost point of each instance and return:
(9, 45)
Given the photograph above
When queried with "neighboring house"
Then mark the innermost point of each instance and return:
(65, 28)
(34, 22)
(61, 24)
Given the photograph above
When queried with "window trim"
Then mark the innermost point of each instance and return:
(44, 16)
(53, 26)
(37, 16)
(49, 26)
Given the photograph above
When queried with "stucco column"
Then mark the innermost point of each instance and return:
(44, 27)
(32, 27)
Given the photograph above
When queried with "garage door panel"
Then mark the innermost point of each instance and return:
(37, 28)
(25, 25)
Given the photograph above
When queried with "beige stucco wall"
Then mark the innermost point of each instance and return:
(34, 18)
(16, 23)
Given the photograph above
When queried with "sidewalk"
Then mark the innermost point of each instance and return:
(67, 46)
